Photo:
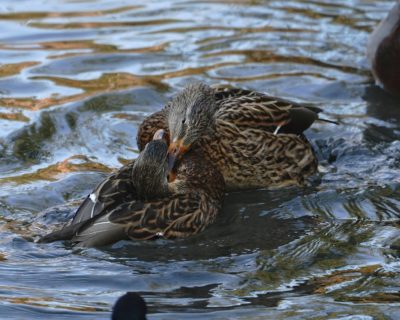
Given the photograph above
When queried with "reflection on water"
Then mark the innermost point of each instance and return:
(77, 78)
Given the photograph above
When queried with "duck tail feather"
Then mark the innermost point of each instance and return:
(98, 232)
(65, 233)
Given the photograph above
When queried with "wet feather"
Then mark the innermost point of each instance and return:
(255, 140)
(160, 209)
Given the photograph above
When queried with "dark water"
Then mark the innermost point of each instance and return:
(76, 79)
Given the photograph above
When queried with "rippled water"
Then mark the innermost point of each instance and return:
(76, 79)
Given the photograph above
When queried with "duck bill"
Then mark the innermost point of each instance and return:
(175, 152)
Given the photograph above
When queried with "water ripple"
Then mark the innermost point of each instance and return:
(77, 78)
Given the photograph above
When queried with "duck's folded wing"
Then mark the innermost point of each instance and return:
(267, 113)
(178, 216)
(99, 231)
(93, 232)
(193, 222)
(136, 220)
(115, 189)
(66, 233)
(222, 92)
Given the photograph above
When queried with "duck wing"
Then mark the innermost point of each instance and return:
(98, 231)
(258, 112)
(115, 189)
(178, 216)
(250, 109)
(222, 92)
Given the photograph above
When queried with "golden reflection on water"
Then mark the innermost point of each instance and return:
(323, 284)
(55, 171)
(107, 83)
(73, 46)
(265, 56)
(28, 15)
(59, 67)
(14, 117)
(95, 25)
(48, 302)
(337, 283)
(11, 69)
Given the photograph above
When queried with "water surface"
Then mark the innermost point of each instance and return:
(77, 78)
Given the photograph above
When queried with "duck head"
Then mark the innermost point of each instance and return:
(150, 171)
(130, 306)
(191, 116)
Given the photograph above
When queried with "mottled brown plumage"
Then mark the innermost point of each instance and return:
(147, 129)
(256, 141)
(139, 203)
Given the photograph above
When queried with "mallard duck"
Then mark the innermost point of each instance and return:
(383, 51)
(130, 306)
(256, 141)
(139, 203)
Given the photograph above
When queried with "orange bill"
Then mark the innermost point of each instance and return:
(175, 152)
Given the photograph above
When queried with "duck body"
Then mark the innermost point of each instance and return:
(117, 210)
(255, 141)
(383, 51)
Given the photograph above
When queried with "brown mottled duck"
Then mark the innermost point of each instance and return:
(255, 140)
(139, 203)
(384, 51)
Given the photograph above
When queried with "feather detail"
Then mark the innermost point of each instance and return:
(256, 140)
(114, 211)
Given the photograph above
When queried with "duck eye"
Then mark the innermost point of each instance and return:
(183, 121)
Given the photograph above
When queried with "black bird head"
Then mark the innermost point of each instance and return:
(130, 306)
